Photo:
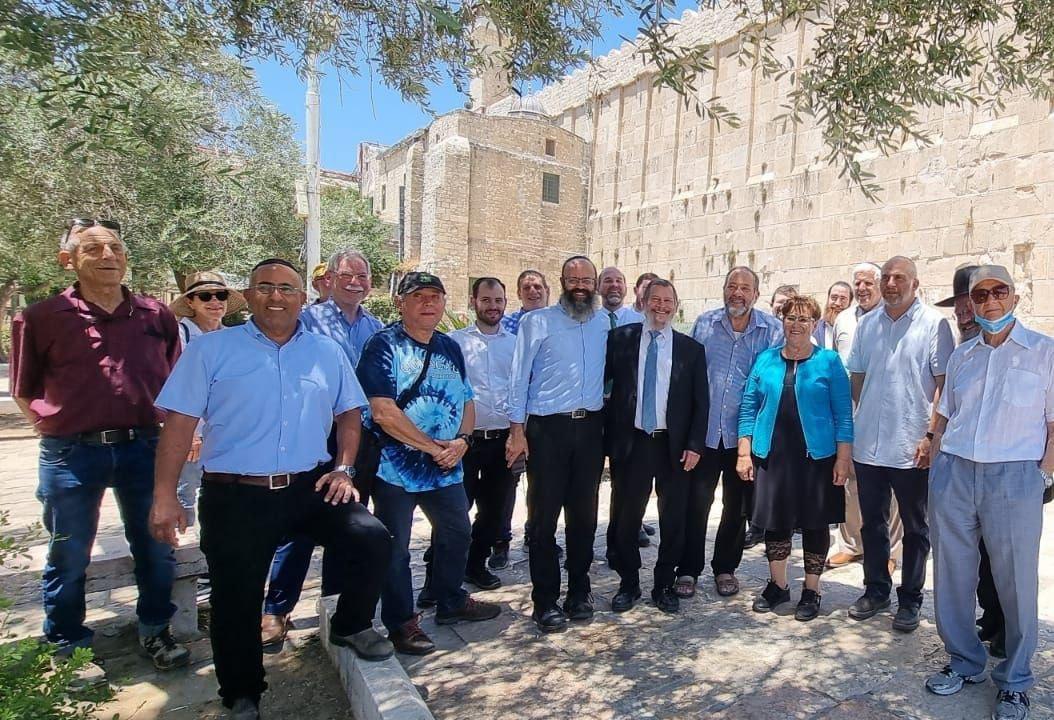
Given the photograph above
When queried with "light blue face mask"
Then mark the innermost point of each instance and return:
(994, 327)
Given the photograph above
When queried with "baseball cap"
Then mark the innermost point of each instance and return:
(991, 272)
(417, 280)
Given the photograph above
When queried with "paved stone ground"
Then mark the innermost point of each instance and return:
(715, 659)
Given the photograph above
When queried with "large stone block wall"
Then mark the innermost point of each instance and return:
(679, 195)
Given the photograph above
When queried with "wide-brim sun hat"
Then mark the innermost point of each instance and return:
(204, 282)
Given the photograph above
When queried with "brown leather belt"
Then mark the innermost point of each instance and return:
(271, 482)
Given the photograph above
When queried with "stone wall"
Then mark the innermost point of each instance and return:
(679, 195)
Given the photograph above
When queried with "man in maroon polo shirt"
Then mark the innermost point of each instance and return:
(86, 366)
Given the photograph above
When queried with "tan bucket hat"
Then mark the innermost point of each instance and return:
(204, 282)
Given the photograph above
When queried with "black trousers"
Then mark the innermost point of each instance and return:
(631, 483)
(565, 459)
(737, 498)
(241, 526)
(911, 487)
(991, 620)
(488, 480)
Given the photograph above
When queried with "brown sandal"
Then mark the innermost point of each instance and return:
(726, 587)
(684, 587)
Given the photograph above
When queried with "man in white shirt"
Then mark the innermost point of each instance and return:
(850, 545)
(994, 445)
(897, 371)
(611, 287)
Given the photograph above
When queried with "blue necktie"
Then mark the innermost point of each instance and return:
(650, 371)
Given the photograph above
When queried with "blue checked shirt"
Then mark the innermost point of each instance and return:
(558, 365)
(728, 363)
(328, 319)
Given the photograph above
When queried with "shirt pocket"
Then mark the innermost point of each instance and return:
(1024, 389)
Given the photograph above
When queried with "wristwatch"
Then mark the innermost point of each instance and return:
(348, 470)
(1048, 478)
(929, 436)
(466, 437)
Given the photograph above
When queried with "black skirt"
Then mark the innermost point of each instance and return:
(791, 489)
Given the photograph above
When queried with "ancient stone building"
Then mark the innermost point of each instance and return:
(667, 191)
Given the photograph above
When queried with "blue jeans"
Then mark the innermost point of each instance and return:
(289, 569)
(73, 478)
(187, 490)
(447, 511)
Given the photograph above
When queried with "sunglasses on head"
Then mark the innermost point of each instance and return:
(206, 296)
(81, 222)
(980, 295)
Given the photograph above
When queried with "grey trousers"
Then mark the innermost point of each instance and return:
(1003, 504)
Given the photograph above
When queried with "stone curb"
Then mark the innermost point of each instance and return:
(376, 690)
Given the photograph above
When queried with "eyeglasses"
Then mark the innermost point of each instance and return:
(579, 282)
(344, 277)
(220, 295)
(980, 295)
(268, 288)
(797, 319)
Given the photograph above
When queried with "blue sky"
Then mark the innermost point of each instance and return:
(354, 109)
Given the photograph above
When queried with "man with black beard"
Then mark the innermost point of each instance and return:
(555, 400)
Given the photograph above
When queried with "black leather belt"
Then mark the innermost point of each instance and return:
(579, 414)
(653, 433)
(271, 482)
(491, 434)
(114, 437)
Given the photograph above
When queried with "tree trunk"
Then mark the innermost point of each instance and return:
(7, 291)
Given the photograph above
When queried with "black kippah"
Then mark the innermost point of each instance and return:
(274, 261)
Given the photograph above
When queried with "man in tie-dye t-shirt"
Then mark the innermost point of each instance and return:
(424, 437)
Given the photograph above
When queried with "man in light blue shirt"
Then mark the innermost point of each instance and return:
(268, 393)
(533, 291)
(555, 401)
(611, 286)
(343, 319)
(733, 335)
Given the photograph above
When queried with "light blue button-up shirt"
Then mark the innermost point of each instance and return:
(327, 319)
(488, 362)
(268, 409)
(729, 360)
(558, 365)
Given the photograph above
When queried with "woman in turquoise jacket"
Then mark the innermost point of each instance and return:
(796, 444)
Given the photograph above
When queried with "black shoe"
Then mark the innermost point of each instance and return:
(625, 600)
(666, 599)
(482, 578)
(551, 619)
(642, 538)
(809, 605)
(579, 608)
(499, 558)
(906, 619)
(425, 598)
(648, 528)
(752, 538)
(771, 597)
(867, 606)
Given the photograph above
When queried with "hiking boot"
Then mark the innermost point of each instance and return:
(368, 644)
(165, 651)
(482, 578)
(472, 611)
(949, 682)
(410, 639)
(771, 597)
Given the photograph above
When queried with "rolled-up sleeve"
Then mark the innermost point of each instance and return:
(187, 389)
(841, 400)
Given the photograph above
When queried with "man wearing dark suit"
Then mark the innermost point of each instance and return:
(655, 429)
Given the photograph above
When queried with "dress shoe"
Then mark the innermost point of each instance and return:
(648, 528)
(867, 606)
(482, 578)
(666, 600)
(425, 598)
(499, 558)
(410, 639)
(273, 629)
(906, 619)
(551, 619)
(642, 538)
(368, 644)
(842, 559)
(579, 607)
(625, 600)
(472, 611)
(244, 709)
(771, 597)
(808, 606)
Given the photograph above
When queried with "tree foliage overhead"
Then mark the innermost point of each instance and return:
(348, 222)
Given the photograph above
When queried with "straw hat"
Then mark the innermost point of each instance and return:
(205, 281)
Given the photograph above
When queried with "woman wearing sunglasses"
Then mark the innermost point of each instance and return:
(795, 444)
(200, 309)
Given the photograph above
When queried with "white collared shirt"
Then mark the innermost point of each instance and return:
(999, 400)
(901, 360)
(488, 364)
(663, 369)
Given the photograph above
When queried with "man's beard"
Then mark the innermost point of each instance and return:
(737, 311)
(612, 301)
(579, 310)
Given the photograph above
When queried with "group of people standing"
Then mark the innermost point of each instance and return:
(865, 416)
